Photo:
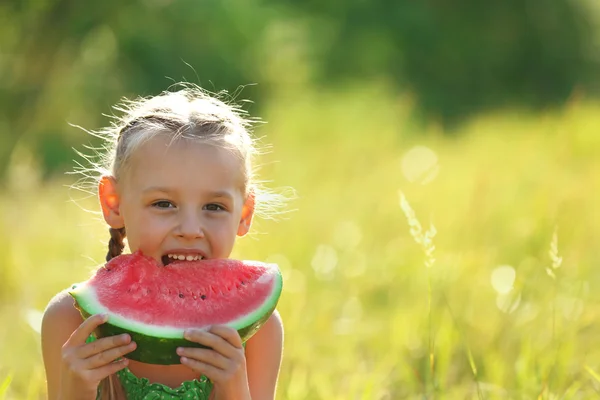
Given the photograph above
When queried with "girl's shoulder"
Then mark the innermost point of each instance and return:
(61, 317)
(62, 306)
(268, 341)
(271, 330)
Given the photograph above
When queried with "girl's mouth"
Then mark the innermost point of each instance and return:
(173, 257)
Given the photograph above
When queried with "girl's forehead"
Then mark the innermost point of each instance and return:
(185, 163)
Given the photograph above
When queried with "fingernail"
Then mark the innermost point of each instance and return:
(104, 317)
(184, 359)
(180, 350)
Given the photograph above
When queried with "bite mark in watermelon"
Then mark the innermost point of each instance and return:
(155, 304)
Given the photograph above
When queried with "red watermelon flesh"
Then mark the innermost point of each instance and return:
(151, 301)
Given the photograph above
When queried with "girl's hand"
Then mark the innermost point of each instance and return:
(224, 363)
(84, 365)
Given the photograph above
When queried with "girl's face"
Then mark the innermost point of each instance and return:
(179, 199)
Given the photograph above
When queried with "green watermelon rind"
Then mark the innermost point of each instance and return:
(156, 350)
(157, 345)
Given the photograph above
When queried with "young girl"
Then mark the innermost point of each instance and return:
(180, 181)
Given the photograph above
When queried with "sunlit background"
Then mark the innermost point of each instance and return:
(445, 157)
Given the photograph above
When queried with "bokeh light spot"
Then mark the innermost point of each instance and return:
(420, 165)
(351, 313)
(571, 307)
(503, 279)
(324, 262)
(34, 319)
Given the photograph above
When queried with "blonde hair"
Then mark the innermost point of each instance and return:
(190, 113)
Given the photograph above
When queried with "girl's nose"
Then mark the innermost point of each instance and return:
(190, 226)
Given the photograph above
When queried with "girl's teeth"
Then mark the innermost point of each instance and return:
(182, 257)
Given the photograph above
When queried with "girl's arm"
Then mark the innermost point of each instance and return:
(263, 358)
(59, 322)
(75, 368)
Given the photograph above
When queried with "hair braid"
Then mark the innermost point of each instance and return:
(110, 388)
(115, 244)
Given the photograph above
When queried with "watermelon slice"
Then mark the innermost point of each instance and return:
(155, 304)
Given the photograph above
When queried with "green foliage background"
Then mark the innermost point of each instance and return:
(483, 115)
(65, 61)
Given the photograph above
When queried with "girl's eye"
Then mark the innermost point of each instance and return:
(214, 207)
(163, 204)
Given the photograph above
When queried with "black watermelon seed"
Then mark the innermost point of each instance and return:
(181, 295)
(203, 297)
(244, 283)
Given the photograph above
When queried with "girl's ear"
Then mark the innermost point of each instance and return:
(110, 202)
(247, 214)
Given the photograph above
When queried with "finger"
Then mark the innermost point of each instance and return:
(211, 372)
(207, 356)
(101, 345)
(87, 327)
(109, 369)
(211, 340)
(109, 356)
(227, 333)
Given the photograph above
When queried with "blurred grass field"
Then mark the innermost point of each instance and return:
(364, 317)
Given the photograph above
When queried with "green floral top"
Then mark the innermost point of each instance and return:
(141, 388)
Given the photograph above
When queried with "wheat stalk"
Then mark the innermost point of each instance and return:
(556, 260)
(552, 273)
(425, 239)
